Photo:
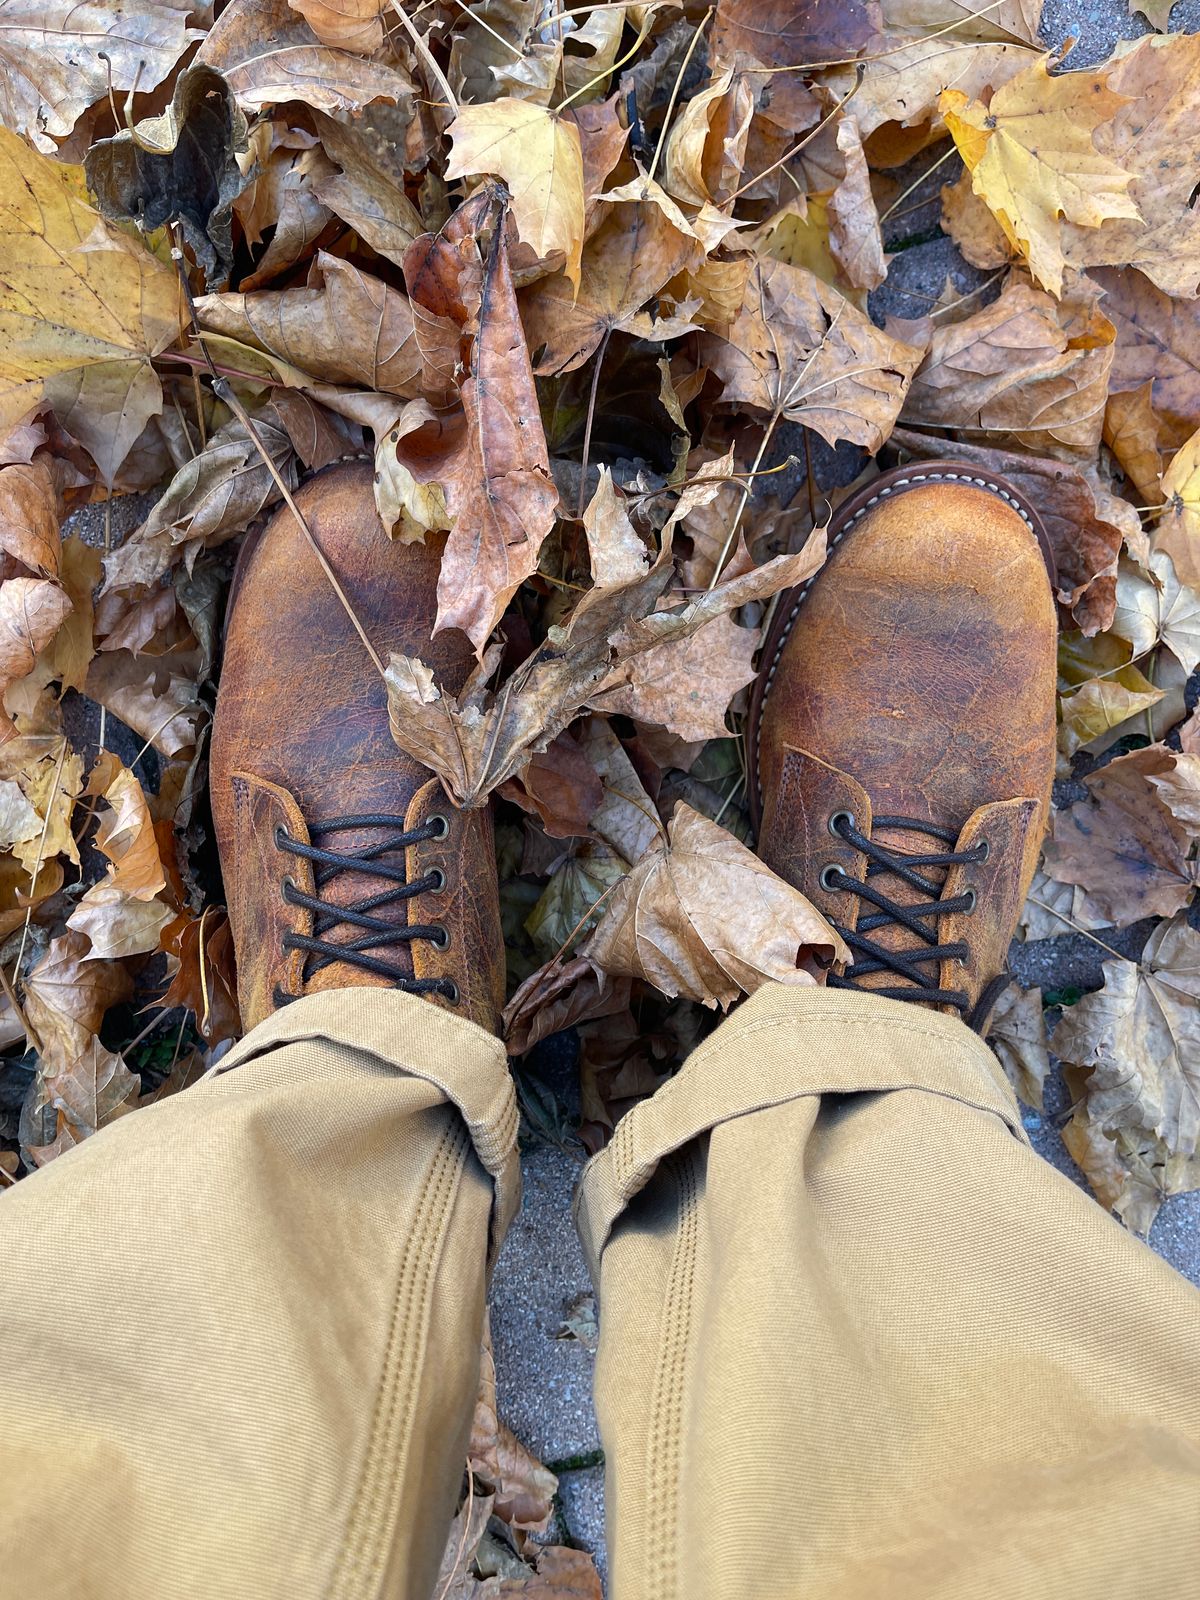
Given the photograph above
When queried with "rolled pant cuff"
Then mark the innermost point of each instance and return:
(785, 1042)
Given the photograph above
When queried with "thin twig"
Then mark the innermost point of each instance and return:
(587, 427)
(224, 391)
(1078, 927)
(917, 182)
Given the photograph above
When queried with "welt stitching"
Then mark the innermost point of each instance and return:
(662, 1464)
(802, 591)
(358, 1562)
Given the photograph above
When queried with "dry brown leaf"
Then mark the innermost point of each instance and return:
(855, 239)
(1140, 1037)
(73, 646)
(31, 612)
(635, 251)
(1033, 158)
(368, 192)
(788, 33)
(706, 149)
(1121, 844)
(1154, 136)
(121, 914)
(199, 950)
(30, 512)
(704, 918)
(83, 309)
(212, 498)
(350, 24)
(67, 994)
(269, 55)
(347, 327)
(615, 548)
(1130, 1171)
(1158, 342)
(539, 157)
(1017, 1033)
(1131, 430)
(561, 785)
(58, 59)
(50, 775)
(522, 1488)
(1103, 705)
(972, 226)
(1021, 366)
(800, 349)
(161, 706)
(1154, 608)
(686, 686)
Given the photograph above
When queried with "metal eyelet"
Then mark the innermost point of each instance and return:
(451, 992)
(441, 823)
(441, 939)
(280, 997)
(289, 883)
(281, 834)
(971, 899)
(984, 849)
(839, 816)
(827, 873)
(437, 880)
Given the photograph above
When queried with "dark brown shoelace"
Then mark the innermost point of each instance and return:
(378, 931)
(920, 918)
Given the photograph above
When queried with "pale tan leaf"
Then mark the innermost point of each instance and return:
(1017, 1033)
(704, 918)
(29, 516)
(31, 612)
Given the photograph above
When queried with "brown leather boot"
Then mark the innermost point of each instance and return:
(901, 734)
(344, 862)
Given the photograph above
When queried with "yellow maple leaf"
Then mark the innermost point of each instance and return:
(83, 309)
(1033, 160)
(540, 158)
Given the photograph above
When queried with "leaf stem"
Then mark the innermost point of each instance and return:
(426, 55)
(670, 111)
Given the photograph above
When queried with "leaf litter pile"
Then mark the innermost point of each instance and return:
(601, 289)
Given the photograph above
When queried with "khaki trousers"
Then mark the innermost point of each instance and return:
(857, 1340)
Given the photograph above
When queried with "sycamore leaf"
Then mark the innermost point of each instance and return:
(1154, 135)
(634, 252)
(59, 58)
(539, 157)
(30, 515)
(1140, 1036)
(797, 347)
(1023, 366)
(83, 309)
(1177, 532)
(703, 917)
(269, 55)
(1154, 608)
(1032, 158)
(346, 327)
(1121, 844)
(1017, 1033)
(31, 612)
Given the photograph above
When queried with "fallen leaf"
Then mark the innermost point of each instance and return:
(30, 513)
(634, 252)
(855, 240)
(1019, 367)
(1102, 705)
(67, 995)
(1153, 136)
(1140, 1038)
(161, 706)
(972, 226)
(269, 55)
(539, 157)
(705, 151)
(561, 785)
(1033, 159)
(1017, 1034)
(686, 687)
(180, 166)
(1130, 1171)
(50, 775)
(368, 192)
(350, 24)
(1121, 845)
(31, 612)
(61, 58)
(560, 996)
(83, 310)
(1131, 430)
(523, 1490)
(212, 498)
(800, 349)
(788, 33)
(1154, 608)
(346, 327)
(199, 953)
(704, 918)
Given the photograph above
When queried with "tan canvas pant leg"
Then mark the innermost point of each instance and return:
(858, 1342)
(239, 1330)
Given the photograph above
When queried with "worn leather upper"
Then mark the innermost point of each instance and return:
(917, 680)
(301, 737)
